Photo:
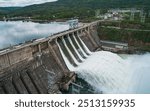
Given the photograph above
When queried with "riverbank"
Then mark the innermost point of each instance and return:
(137, 40)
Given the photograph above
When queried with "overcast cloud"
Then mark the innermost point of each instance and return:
(8, 3)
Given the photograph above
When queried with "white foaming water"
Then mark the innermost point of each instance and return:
(110, 73)
(139, 69)
(105, 71)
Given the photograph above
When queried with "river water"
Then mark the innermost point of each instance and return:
(12, 33)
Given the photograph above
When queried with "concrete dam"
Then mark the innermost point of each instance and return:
(39, 67)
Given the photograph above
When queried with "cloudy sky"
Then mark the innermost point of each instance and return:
(7, 3)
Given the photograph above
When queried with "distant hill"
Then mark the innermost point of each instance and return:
(8, 9)
(5, 10)
(72, 8)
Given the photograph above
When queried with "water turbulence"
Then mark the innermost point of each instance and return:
(104, 71)
(139, 66)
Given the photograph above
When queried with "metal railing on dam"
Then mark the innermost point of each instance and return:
(38, 66)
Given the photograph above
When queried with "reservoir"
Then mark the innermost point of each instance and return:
(16, 32)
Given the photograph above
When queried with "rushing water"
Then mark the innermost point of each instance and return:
(112, 73)
(139, 69)
(12, 33)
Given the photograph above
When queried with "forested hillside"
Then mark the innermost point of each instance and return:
(72, 8)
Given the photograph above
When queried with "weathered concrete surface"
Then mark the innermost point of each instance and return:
(38, 67)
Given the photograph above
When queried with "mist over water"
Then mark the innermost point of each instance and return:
(105, 71)
(109, 73)
(112, 73)
(139, 66)
(12, 33)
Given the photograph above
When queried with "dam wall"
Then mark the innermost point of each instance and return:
(37, 67)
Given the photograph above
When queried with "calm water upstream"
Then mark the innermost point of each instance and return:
(12, 33)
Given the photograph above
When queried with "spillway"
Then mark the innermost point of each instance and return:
(80, 57)
(70, 67)
(85, 47)
(85, 55)
(103, 70)
(70, 53)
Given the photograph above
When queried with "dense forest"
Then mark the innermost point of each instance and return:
(71, 8)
